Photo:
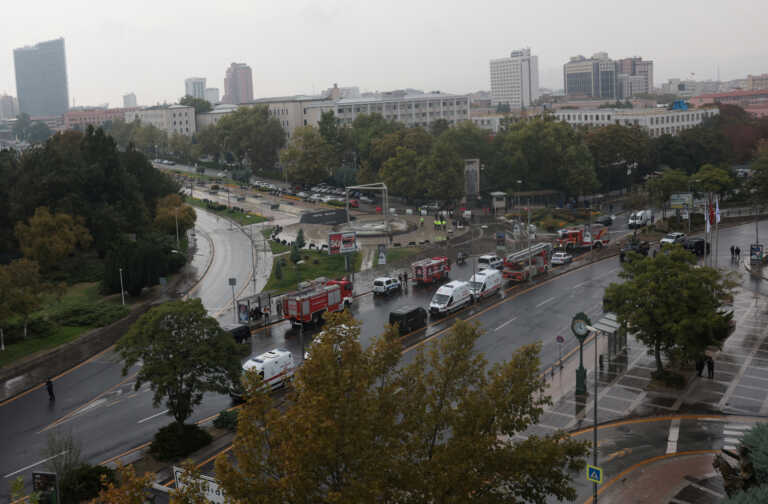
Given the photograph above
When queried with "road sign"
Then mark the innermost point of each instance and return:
(213, 492)
(560, 339)
(677, 200)
(595, 474)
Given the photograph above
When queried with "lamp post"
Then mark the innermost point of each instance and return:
(122, 290)
(232, 282)
(594, 421)
(176, 215)
(519, 184)
(528, 235)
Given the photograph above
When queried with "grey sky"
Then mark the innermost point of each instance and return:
(297, 46)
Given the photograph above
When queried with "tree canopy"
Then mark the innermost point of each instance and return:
(252, 136)
(308, 158)
(201, 106)
(48, 237)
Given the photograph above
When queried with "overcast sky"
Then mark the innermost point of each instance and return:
(301, 46)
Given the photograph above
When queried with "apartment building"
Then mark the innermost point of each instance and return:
(656, 121)
(80, 119)
(515, 79)
(171, 119)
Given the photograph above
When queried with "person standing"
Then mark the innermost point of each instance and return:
(710, 368)
(699, 366)
(738, 254)
(733, 252)
(405, 279)
(49, 388)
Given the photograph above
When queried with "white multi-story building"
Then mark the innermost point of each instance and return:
(212, 95)
(9, 107)
(129, 100)
(515, 80)
(195, 87)
(171, 119)
(657, 121)
(214, 116)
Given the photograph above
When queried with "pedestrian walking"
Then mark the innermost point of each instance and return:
(699, 366)
(733, 252)
(400, 278)
(421, 221)
(49, 388)
(738, 254)
(710, 368)
(405, 278)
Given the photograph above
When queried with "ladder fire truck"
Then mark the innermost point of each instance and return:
(312, 299)
(578, 238)
(430, 270)
(516, 266)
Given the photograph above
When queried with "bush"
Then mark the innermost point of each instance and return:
(84, 483)
(227, 419)
(38, 326)
(178, 440)
(91, 315)
(550, 224)
(755, 495)
(295, 254)
(756, 441)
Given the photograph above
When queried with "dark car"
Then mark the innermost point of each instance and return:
(408, 318)
(696, 245)
(639, 247)
(605, 220)
(239, 332)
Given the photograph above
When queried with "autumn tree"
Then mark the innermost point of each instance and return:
(671, 304)
(132, 489)
(171, 211)
(307, 157)
(23, 289)
(49, 238)
(359, 427)
(184, 353)
(201, 106)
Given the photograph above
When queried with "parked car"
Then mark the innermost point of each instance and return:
(386, 285)
(408, 318)
(673, 238)
(489, 261)
(696, 245)
(303, 195)
(561, 258)
(365, 199)
(605, 220)
(353, 203)
(639, 247)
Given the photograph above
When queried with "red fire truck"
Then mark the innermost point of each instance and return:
(580, 238)
(314, 298)
(516, 264)
(430, 270)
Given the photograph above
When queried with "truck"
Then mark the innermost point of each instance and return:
(639, 219)
(312, 299)
(430, 270)
(578, 238)
(516, 267)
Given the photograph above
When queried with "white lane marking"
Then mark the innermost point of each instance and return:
(33, 465)
(153, 416)
(731, 440)
(741, 427)
(733, 433)
(581, 284)
(544, 302)
(506, 323)
(730, 447)
(674, 434)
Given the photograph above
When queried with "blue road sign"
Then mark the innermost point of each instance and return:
(595, 474)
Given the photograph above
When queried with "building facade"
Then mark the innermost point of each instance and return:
(41, 78)
(600, 77)
(80, 119)
(129, 100)
(740, 98)
(171, 119)
(214, 116)
(195, 87)
(655, 121)
(757, 82)
(9, 107)
(515, 80)
(238, 84)
(212, 95)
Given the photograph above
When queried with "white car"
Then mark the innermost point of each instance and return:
(386, 285)
(672, 238)
(365, 199)
(561, 258)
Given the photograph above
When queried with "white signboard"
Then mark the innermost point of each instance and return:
(213, 492)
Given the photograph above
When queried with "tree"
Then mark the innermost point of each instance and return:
(582, 179)
(439, 126)
(295, 254)
(443, 173)
(252, 136)
(172, 212)
(671, 304)
(38, 132)
(620, 154)
(27, 288)
(401, 173)
(49, 238)
(209, 141)
(184, 353)
(201, 106)
(308, 158)
(360, 428)
(662, 187)
(300, 242)
(711, 178)
(132, 489)
(21, 126)
(758, 181)
(181, 146)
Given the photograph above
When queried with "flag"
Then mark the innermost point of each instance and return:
(717, 210)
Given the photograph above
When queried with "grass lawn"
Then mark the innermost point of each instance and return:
(21, 349)
(395, 254)
(292, 274)
(241, 218)
(277, 248)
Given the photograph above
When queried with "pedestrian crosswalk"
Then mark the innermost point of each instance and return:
(733, 432)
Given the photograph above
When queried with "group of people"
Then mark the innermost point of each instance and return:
(709, 364)
(403, 277)
(735, 253)
(440, 224)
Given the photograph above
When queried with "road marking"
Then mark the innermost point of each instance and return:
(544, 302)
(582, 284)
(505, 324)
(33, 465)
(674, 434)
(153, 416)
(740, 427)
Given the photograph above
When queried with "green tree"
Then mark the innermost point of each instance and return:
(437, 430)
(184, 353)
(279, 269)
(758, 181)
(671, 304)
(22, 126)
(443, 173)
(300, 242)
(668, 183)
(470, 141)
(620, 154)
(27, 288)
(711, 178)
(38, 132)
(401, 173)
(582, 178)
(308, 158)
(49, 238)
(295, 253)
(209, 140)
(252, 136)
(201, 106)
(181, 146)
(439, 126)
(365, 129)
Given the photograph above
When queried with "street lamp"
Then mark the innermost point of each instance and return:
(519, 183)
(122, 290)
(232, 282)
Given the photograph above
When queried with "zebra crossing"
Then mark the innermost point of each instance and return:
(732, 433)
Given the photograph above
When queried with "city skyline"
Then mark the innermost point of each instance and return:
(343, 42)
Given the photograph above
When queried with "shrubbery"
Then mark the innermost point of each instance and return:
(84, 483)
(90, 314)
(178, 440)
(227, 419)
(756, 441)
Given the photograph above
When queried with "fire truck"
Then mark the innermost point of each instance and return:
(430, 270)
(314, 298)
(516, 266)
(578, 238)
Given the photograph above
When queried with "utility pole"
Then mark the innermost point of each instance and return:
(594, 424)
(232, 282)
(122, 290)
(176, 214)
(528, 235)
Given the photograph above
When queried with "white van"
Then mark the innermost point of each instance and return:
(275, 367)
(485, 283)
(640, 219)
(450, 297)
(489, 261)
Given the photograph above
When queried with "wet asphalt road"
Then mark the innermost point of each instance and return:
(102, 410)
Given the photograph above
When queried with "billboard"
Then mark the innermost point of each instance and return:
(213, 492)
(756, 253)
(681, 200)
(342, 243)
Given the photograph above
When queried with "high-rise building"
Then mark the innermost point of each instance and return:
(195, 87)
(600, 77)
(635, 76)
(757, 82)
(212, 95)
(129, 100)
(238, 84)
(41, 78)
(9, 107)
(515, 80)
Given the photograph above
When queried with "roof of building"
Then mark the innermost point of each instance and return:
(734, 93)
(283, 99)
(385, 98)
